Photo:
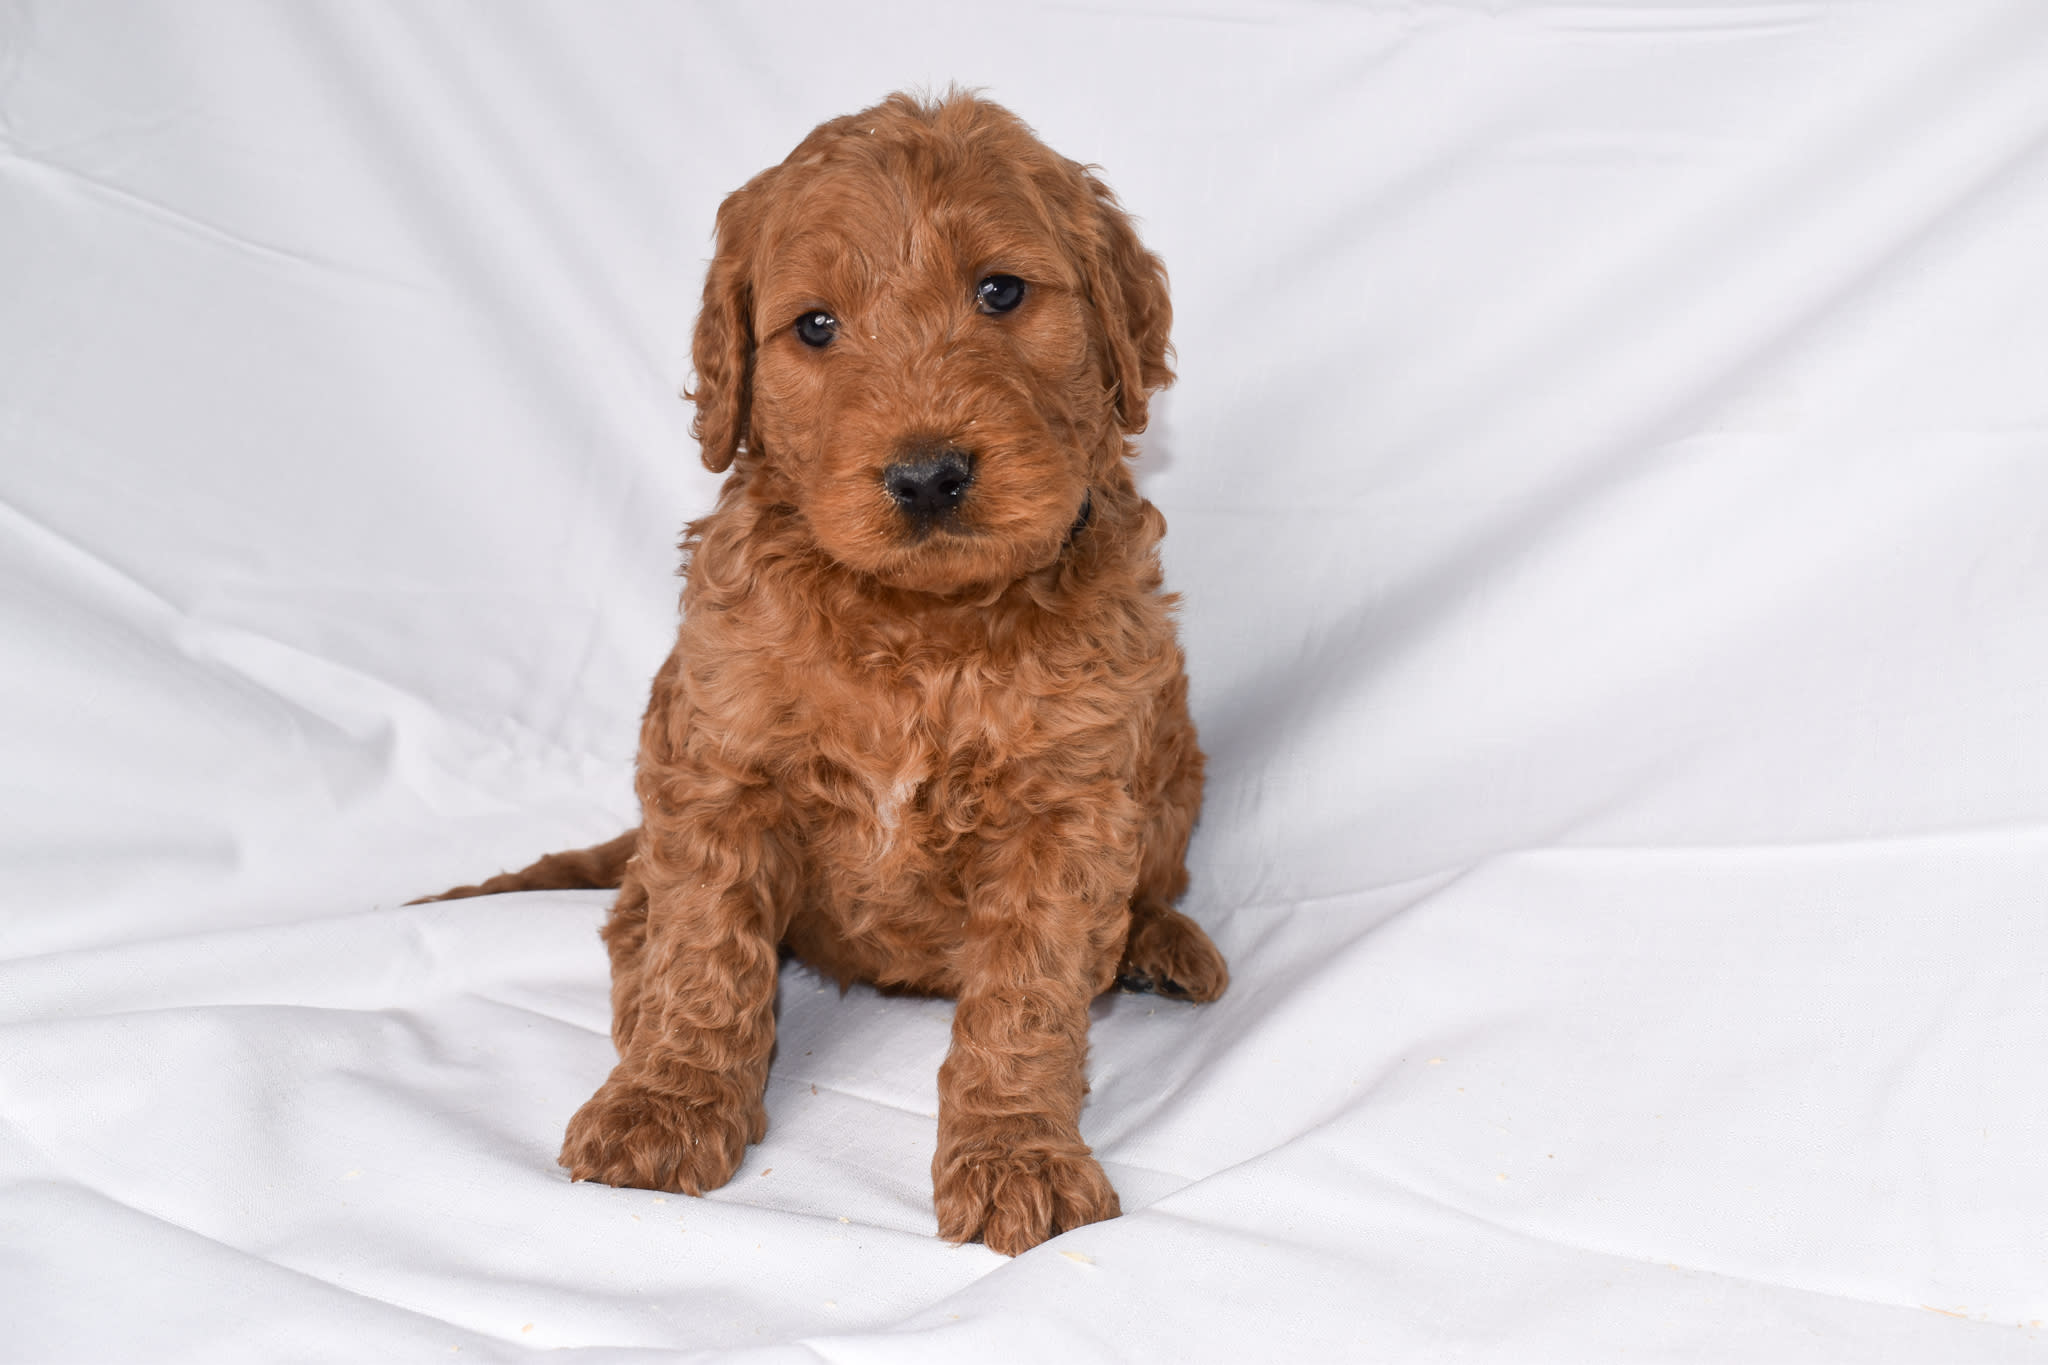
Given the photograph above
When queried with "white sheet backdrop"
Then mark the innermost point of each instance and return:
(1609, 485)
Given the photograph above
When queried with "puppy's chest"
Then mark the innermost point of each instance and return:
(905, 763)
(894, 752)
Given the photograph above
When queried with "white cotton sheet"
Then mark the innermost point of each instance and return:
(1608, 484)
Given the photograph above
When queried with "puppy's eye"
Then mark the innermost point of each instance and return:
(817, 328)
(999, 293)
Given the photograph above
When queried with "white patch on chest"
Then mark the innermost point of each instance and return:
(890, 805)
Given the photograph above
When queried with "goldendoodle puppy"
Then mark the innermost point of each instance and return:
(925, 724)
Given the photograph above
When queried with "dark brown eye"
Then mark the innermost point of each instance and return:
(999, 293)
(817, 328)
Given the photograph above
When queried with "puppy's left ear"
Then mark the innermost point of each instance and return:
(1127, 288)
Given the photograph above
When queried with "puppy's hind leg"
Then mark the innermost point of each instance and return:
(1169, 954)
(1166, 952)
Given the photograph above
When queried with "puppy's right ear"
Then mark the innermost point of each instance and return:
(722, 351)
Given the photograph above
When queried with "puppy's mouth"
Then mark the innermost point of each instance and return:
(952, 553)
(941, 515)
(930, 492)
(948, 525)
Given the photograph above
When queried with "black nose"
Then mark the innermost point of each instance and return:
(929, 486)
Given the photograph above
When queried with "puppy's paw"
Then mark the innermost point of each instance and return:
(1167, 952)
(1014, 1198)
(627, 1134)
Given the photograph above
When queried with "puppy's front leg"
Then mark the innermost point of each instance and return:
(685, 1099)
(1045, 927)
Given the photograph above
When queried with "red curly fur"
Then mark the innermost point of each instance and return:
(951, 758)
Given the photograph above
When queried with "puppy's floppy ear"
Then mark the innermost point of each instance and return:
(1127, 288)
(722, 352)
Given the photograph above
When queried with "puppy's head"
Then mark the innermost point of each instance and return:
(929, 334)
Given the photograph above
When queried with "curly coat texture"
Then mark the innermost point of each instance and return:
(935, 740)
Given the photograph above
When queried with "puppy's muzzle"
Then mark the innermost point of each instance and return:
(930, 484)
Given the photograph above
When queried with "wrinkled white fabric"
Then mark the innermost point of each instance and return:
(1608, 483)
